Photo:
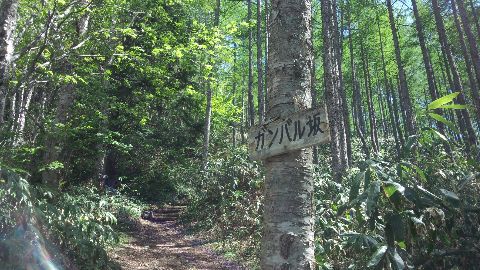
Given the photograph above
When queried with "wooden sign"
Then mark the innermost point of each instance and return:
(300, 130)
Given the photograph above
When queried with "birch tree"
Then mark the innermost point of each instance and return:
(288, 211)
(8, 22)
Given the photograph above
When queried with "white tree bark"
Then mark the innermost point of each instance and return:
(288, 212)
(8, 22)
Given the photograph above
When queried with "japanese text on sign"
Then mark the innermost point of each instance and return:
(300, 130)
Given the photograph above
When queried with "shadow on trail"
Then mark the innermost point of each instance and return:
(161, 243)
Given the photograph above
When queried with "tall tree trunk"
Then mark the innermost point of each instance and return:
(234, 93)
(346, 118)
(261, 96)
(450, 89)
(8, 23)
(251, 106)
(208, 109)
(457, 84)
(243, 121)
(332, 89)
(396, 112)
(432, 88)
(405, 100)
(357, 95)
(357, 110)
(473, 50)
(368, 91)
(65, 101)
(267, 31)
(396, 129)
(24, 105)
(313, 86)
(288, 236)
(475, 18)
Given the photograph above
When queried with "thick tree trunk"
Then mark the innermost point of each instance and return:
(475, 18)
(267, 31)
(465, 123)
(8, 22)
(288, 236)
(251, 106)
(261, 96)
(405, 100)
(65, 102)
(313, 85)
(332, 87)
(472, 44)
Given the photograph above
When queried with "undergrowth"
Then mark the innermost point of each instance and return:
(72, 229)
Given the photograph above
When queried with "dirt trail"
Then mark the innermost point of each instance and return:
(160, 243)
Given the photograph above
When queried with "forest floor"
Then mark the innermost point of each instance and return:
(161, 243)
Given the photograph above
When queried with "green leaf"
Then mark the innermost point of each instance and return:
(443, 100)
(439, 135)
(391, 187)
(454, 106)
(443, 120)
(377, 256)
(354, 190)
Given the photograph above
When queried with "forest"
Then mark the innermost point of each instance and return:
(140, 134)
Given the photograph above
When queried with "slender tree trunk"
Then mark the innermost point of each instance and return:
(472, 44)
(457, 84)
(346, 118)
(243, 121)
(251, 106)
(396, 112)
(396, 129)
(25, 99)
(8, 23)
(357, 95)
(393, 121)
(379, 95)
(406, 102)
(381, 105)
(208, 109)
(261, 96)
(427, 62)
(288, 234)
(234, 93)
(368, 91)
(458, 114)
